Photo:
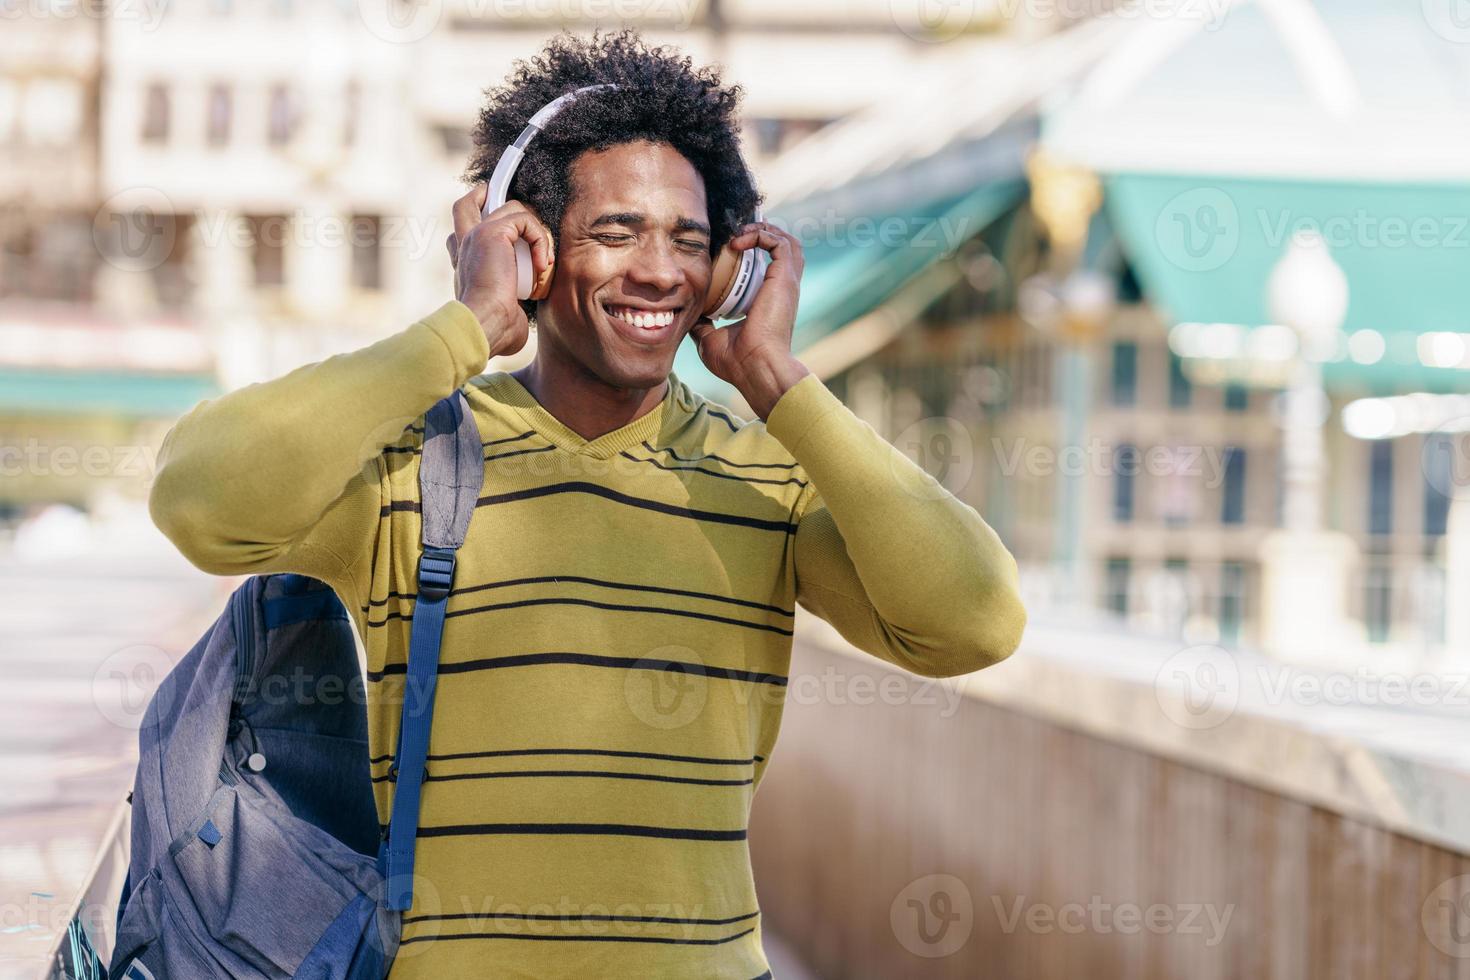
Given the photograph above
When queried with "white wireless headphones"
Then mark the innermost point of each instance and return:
(737, 274)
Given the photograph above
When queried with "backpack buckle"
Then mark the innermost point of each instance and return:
(436, 572)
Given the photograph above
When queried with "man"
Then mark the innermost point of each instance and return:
(618, 637)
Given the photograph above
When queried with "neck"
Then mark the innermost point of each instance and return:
(580, 400)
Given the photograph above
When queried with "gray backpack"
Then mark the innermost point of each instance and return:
(256, 849)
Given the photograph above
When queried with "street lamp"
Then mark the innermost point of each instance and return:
(1308, 292)
(1072, 304)
(1305, 567)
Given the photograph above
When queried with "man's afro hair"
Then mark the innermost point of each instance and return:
(662, 98)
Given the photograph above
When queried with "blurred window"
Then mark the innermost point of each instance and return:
(367, 251)
(1378, 603)
(1380, 486)
(1438, 472)
(775, 134)
(1125, 372)
(268, 235)
(171, 279)
(282, 115)
(1176, 492)
(1124, 471)
(1118, 572)
(1232, 506)
(454, 139)
(155, 113)
(1180, 388)
(221, 108)
(1232, 601)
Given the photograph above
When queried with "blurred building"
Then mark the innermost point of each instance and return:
(201, 194)
(1109, 391)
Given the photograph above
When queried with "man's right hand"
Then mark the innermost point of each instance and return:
(482, 251)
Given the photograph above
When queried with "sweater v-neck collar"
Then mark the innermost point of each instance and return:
(505, 388)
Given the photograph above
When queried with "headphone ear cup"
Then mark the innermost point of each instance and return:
(722, 279)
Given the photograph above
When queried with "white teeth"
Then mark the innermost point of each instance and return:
(644, 320)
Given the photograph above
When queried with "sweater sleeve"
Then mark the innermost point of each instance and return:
(901, 568)
(287, 475)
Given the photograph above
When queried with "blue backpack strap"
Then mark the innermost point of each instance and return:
(451, 472)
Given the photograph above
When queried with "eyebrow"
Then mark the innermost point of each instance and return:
(634, 218)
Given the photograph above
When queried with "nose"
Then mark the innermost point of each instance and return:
(656, 265)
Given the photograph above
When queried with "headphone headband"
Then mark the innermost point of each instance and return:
(510, 160)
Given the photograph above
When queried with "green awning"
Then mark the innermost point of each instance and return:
(55, 392)
(855, 263)
(1203, 248)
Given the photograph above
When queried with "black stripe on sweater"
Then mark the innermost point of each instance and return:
(722, 417)
(615, 753)
(649, 777)
(594, 829)
(727, 462)
(518, 452)
(610, 606)
(715, 473)
(667, 940)
(529, 917)
(584, 580)
(590, 660)
(578, 486)
(415, 450)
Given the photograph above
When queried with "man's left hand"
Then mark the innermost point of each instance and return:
(754, 354)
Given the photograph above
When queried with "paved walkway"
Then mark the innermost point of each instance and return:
(83, 641)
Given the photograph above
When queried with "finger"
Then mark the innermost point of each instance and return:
(524, 223)
(784, 248)
(700, 329)
(466, 211)
(538, 236)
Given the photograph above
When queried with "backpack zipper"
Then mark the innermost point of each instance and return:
(244, 628)
(243, 624)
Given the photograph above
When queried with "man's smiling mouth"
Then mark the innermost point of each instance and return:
(642, 318)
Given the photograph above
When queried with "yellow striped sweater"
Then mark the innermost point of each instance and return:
(617, 640)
